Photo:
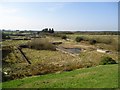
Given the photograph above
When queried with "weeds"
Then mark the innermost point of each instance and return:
(41, 44)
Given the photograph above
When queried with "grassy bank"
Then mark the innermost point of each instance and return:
(105, 76)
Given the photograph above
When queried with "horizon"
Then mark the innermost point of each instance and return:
(62, 16)
(63, 30)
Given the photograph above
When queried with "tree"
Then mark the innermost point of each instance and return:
(45, 30)
(48, 30)
(52, 31)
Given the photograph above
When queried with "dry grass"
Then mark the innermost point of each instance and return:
(41, 44)
(93, 57)
(14, 42)
(109, 42)
(47, 56)
(46, 61)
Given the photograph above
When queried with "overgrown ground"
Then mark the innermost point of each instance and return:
(104, 76)
(109, 42)
(46, 61)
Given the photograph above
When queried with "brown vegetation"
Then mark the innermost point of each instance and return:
(41, 44)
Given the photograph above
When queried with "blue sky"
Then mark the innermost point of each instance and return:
(60, 15)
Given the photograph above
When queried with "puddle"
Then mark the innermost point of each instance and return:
(73, 50)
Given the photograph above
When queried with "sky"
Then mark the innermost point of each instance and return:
(68, 16)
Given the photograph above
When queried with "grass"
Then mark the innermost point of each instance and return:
(47, 56)
(46, 61)
(109, 42)
(103, 76)
(14, 42)
(95, 57)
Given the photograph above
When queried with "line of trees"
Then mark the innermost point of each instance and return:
(48, 30)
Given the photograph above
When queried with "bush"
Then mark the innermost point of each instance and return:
(5, 36)
(6, 50)
(78, 39)
(92, 41)
(64, 37)
(41, 44)
(107, 60)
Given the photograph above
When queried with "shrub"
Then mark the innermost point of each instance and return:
(41, 44)
(23, 46)
(6, 50)
(5, 77)
(64, 37)
(92, 41)
(78, 39)
(5, 36)
(107, 60)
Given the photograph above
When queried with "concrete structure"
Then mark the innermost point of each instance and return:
(102, 51)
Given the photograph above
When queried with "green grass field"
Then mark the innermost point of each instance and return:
(103, 76)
